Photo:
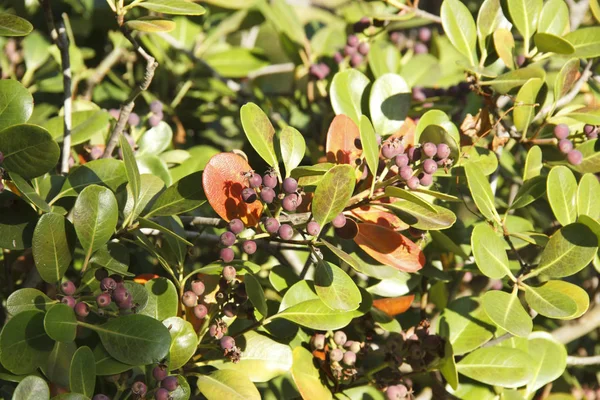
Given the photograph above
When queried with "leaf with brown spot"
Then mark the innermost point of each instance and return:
(380, 216)
(393, 306)
(340, 146)
(223, 181)
(389, 247)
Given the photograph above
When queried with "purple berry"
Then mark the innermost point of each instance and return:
(561, 131)
(227, 254)
(156, 107)
(160, 372)
(412, 183)
(425, 179)
(313, 228)
(406, 172)
(350, 51)
(108, 284)
(318, 341)
(389, 150)
(227, 239)
(290, 185)
(249, 247)
(82, 310)
(430, 166)
(170, 383)
(68, 288)
(229, 273)
(200, 311)
(424, 34)
(103, 300)
(352, 41)
(401, 160)
(230, 310)
(134, 119)
(68, 300)
(270, 180)
(267, 195)
(155, 119)
(362, 24)
(363, 48)
(113, 112)
(189, 299)
(340, 338)
(290, 202)
(255, 181)
(198, 287)
(125, 304)
(286, 232)
(565, 146)
(249, 195)
(574, 157)
(339, 221)
(162, 394)
(338, 58)
(227, 343)
(429, 149)
(139, 388)
(236, 226)
(271, 225)
(120, 294)
(591, 132)
(443, 151)
(356, 60)
(421, 48)
(336, 355)
(396, 392)
(349, 358)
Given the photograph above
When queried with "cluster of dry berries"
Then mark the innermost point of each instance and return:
(415, 347)
(340, 352)
(566, 146)
(417, 40)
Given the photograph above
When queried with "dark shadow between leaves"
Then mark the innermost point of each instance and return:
(159, 287)
(396, 106)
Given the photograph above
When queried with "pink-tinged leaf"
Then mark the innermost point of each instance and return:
(380, 216)
(341, 141)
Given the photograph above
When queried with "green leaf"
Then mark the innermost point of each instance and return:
(95, 217)
(465, 324)
(17, 222)
(82, 373)
(481, 191)
(441, 119)
(259, 131)
(114, 257)
(383, 58)
(256, 294)
(16, 103)
(489, 253)
(568, 251)
(370, 147)
(588, 193)
(149, 164)
(421, 70)
(156, 139)
(183, 342)
(389, 101)
(591, 157)
(504, 43)
(232, 385)
(315, 314)
(151, 24)
(550, 43)
(263, 358)
(335, 288)
(533, 163)
(483, 158)
(31, 387)
(562, 194)
(400, 193)
(53, 246)
(524, 14)
(421, 217)
(134, 339)
(27, 299)
(510, 80)
(183, 196)
(85, 125)
(174, 7)
(12, 25)
(131, 169)
(297, 293)
(29, 193)
(347, 88)
(139, 294)
(28, 150)
(566, 78)
(549, 360)
(557, 299)
(163, 300)
(146, 223)
(498, 366)
(554, 18)
(448, 366)
(585, 41)
(333, 193)
(506, 311)
(489, 19)
(60, 323)
(150, 188)
(595, 8)
(36, 51)
(24, 345)
(70, 396)
(460, 27)
(56, 367)
(236, 62)
(106, 172)
(531, 190)
(525, 104)
(306, 376)
(105, 364)
(292, 147)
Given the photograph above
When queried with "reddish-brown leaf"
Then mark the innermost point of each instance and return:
(380, 216)
(143, 278)
(406, 131)
(223, 181)
(393, 306)
(348, 231)
(389, 247)
(340, 146)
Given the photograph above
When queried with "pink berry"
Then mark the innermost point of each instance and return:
(271, 225)
(200, 311)
(565, 146)
(236, 226)
(170, 383)
(425, 179)
(363, 48)
(443, 151)
(120, 294)
(160, 372)
(227, 343)
(162, 394)
(227, 254)
(421, 48)
(389, 150)
(156, 106)
(339, 221)
(349, 358)
(290, 185)
(336, 355)
(561, 131)
(227, 239)
(108, 284)
(413, 183)
(414, 154)
(68, 288)
(229, 272)
(406, 172)
(313, 228)
(574, 157)
(401, 160)
(291, 202)
(82, 309)
(429, 149)
(198, 287)
(249, 247)
(286, 232)
(267, 195)
(103, 300)
(430, 166)
(424, 34)
(356, 60)
(270, 180)
(254, 181)
(396, 392)
(352, 40)
(68, 300)
(189, 299)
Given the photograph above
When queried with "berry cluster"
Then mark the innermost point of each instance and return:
(417, 40)
(340, 352)
(165, 384)
(156, 113)
(415, 347)
(236, 226)
(566, 146)
(355, 49)
(191, 299)
(113, 290)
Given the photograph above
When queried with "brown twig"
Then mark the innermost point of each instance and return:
(580, 327)
(127, 107)
(416, 11)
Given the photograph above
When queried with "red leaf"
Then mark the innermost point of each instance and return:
(223, 181)
(341, 137)
(394, 305)
(380, 216)
(389, 247)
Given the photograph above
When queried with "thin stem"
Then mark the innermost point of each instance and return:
(416, 11)
(582, 361)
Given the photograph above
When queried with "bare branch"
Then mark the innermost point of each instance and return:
(580, 327)
(581, 361)
(417, 12)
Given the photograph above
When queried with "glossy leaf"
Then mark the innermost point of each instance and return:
(60, 323)
(131, 169)
(525, 14)
(223, 182)
(315, 314)
(562, 194)
(342, 136)
(346, 93)
(557, 299)
(306, 376)
(151, 187)
(439, 119)
(533, 163)
(259, 131)
(498, 366)
(174, 7)
(28, 150)
(460, 27)
(107, 365)
(227, 384)
(31, 387)
(389, 101)
(549, 359)
(504, 43)
(156, 139)
(489, 19)
(13, 25)
(114, 257)
(383, 58)
(53, 246)
(85, 125)
(531, 190)
(481, 191)
(163, 300)
(393, 306)
(400, 193)
(256, 294)
(292, 147)
(29, 193)
(151, 164)
(566, 78)
(379, 215)
(506, 311)
(489, 253)
(151, 24)
(370, 147)
(389, 247)
(17, 222)
(105, 172)
(183, 196)
(183, 341)
(421, 217)
(549, 43)
(554, 18)
(16, 103)
(585, 41)
(569, 250)
(525, 107)
(513, 79)
(27, 299)
(56, 367)
(335, 288)
(82, 373)
(588, 193)
(333, 193)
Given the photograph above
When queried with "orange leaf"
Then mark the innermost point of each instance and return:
(341, 136)
(406, 131)
(389, 247)
(223, 181)
(143, 278)
(394, 305)
(380, 216)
